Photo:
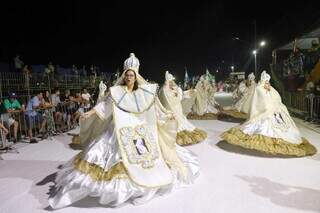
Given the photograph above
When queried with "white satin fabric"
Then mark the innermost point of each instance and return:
(204, 102)
(137, 101)
(188, 101)
(265, 127)
(171, 99)
(211, 106)
(241, 89)
(73, 185)
(103, 151)
(244, 104)
(269, 117)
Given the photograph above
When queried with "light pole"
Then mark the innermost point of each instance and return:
(255, 52)
(261, 45)
(257, 47)
(232, 68)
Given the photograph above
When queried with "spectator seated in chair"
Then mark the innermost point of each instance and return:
(3, 130)
(34, 117)
(13, 109)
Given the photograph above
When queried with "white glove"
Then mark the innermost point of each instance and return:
(102, 87)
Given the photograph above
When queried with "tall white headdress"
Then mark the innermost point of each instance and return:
(169, 76)
(264, 77)
(251, 77)
(132, 63)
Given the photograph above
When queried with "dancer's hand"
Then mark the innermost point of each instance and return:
(102, 87)
(86, 115)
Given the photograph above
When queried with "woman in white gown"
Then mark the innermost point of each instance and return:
(241, 108)
(131, 154)
(171, 96)
(270, 128)
(212, 104)
(204, 107)
(239, 91)
(244, 104)
(76, 142)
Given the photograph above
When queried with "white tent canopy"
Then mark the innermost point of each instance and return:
(304, 42)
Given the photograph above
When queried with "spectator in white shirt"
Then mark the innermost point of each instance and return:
(87, 98)
(57, 109)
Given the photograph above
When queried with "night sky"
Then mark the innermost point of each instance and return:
(164, 35)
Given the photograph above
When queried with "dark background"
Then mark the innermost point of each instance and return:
(164, 35)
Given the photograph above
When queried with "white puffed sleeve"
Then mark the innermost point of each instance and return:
(104, 108)
(163, 114)
(191, 93)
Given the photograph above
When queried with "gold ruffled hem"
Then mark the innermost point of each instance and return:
(268, 145)
(206, 116)
(185, 137)
(97, 173)
(235, 114)
(76, 140)
(76, 143)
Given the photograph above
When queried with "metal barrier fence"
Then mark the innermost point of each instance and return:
(47, 120)
(15, 124)
(313, 101)
(24, 82)
(304, 104)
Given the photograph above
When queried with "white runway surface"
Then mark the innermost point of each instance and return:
(232, 179)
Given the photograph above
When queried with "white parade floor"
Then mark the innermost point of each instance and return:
(232, 179)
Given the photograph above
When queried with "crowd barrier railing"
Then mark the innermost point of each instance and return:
(41, 123)
(307, 105)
